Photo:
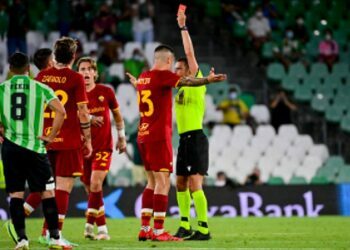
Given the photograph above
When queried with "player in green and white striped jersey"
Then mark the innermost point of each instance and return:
(23, 152)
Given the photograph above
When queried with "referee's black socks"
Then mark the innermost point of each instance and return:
(18, 217)
(51, 216)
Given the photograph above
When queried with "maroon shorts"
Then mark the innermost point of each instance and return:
(66, 163)
(99, 160)
(157, 156)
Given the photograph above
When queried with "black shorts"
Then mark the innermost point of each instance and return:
(193, 154)
(21, 165)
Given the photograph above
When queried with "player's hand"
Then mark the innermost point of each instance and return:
(181, 19)
(97, 121)
(87, 149)
(212, 77)
(46, 139)
(121, 145)
(132, 79)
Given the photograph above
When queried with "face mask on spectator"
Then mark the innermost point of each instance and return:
(300, 21)
(233, 95)
(328, 37)
(220, 183)
(142, 1)
(259, 14)
(137, 57)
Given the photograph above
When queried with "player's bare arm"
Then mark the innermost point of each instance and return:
(132, 79)
(121, 143)
(194, 82)
(56, 106)
(84, 119)
(187, 43)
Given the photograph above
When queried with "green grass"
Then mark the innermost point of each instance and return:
(227, 233)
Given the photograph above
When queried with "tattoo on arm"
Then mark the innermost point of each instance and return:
(191, 81)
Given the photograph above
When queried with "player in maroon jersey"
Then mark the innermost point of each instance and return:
(65, 153)
(101, 101)
(154, 92)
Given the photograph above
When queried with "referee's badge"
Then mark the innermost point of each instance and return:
(101, 98)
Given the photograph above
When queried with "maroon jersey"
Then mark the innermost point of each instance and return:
(101, 101)
(69, 86)
(154, 94)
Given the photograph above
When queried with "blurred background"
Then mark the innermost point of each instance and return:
(281, 118)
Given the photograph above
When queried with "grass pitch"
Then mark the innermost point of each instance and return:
(227, 233)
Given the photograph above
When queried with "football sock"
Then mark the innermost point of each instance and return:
(62, 199)
(160, 205)
(184, 202)
(93, 207)
(32, 202)
(18, 217)
(51, 216)
(201, 206)
(101, 217)
(147, 208)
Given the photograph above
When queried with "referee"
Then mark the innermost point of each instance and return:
(192, 159)
(23, 152)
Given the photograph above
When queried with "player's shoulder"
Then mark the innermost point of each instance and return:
(104, 87)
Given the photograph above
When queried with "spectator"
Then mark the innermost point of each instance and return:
(136, 64)
(270, 12)
(104, 25)
(254, 178)
(142, 23)
(328, 49)
(235, 110)
(231, 12)
(290, 50)
(300, 31)
(4, 20)
(17, 28)
(259, 29)
(223, 181)
(81, 18)
(281, 110)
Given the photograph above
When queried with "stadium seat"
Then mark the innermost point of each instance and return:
(320, 151)
(341, 70)
(298, 70)
(303, 141)
(326, 90)
(314, 81)
(319, 69)
(296, 153)
(253, 152)
(117, 69)
(335, 161)
(266, 131)
(313, 162)
(303, 93)
(89, 47)
(149, 51)
(267, 50)
(266, 165)
(334, 80)
(211, 113)
(275, 180)
(319, 180)
(260, 113)
(242, 131)
(335, 112)
(275, 72)
(298, 180)
(129, 48)
(34, 40)
(288, 132)
(239, 29)
(290, 82)
(344, 175)
(319, 103)
(345, 123)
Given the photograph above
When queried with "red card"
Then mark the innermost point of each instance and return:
(182, 8)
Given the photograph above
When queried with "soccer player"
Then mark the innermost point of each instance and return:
(192, 158)
(65, 153)
(101, 101)
(21, 117)
(43, 59)
(154, 91)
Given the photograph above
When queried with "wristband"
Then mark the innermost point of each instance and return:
(183, 28)
(121, 133)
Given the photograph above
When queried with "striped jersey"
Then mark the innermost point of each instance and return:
(22, 101)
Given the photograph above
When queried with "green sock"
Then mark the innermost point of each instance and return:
(184, 202)
(201, 206)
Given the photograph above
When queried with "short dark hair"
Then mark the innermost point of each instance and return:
(164, 47)
(41, 58)
(65, 49)
(183, 60)
(19, 61)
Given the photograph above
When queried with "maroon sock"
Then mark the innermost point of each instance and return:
(101, 217)
(33, 200)
(62, 199)
(160, 204)
(93, 207)
(147, 207)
